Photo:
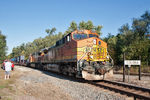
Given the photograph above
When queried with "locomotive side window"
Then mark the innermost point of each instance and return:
(60, 42)
(68, 38)
(57, 43)
(80, 36)
(64, 40)
(92, 35)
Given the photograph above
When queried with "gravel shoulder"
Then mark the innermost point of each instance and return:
(133, 79)
(32, 84)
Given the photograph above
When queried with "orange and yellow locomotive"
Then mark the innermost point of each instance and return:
(81, 53)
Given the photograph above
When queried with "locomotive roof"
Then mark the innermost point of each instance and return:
(76, 31)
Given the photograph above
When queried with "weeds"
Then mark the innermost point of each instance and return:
(5, 85)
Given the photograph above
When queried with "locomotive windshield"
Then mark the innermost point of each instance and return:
(92, 35)
(80, 36)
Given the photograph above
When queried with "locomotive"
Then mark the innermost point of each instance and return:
(80, 53)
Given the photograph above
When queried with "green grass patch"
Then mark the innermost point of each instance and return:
(9, 99)
(1, 87)
(6, 85)
(134, 69)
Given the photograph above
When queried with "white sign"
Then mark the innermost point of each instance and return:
(129, 66)
(132, 62)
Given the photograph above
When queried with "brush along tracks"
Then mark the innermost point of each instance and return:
(127, 89)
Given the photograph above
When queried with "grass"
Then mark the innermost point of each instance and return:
(8, 99)
(2, 87)
(5, 85)
(135, 69)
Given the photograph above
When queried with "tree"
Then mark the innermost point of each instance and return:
(50, 31)
(82, 25)
(3, 47)
(89, 25)
(98, 30)
(146, 17)
(112, 47)
(73, 26)
(131, 40)
(139, 28)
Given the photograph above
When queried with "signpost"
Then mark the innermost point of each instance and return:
(129, 63)
(128, 71)
(124, 68)
(132, 62)
(140, 69)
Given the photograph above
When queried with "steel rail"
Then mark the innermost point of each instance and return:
(128, 85)
(134, 91)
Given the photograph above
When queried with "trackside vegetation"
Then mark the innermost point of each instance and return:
(132, 40)
(3, 47)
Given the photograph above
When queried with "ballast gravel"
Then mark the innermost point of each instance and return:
(76, 90)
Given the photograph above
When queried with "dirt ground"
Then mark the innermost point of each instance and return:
(19, 88)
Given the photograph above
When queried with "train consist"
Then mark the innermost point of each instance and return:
(80, 53)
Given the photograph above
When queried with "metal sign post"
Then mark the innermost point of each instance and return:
(140, 70)
(124, 68)
(133, 62)
(128, 72)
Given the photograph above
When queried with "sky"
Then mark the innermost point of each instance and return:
(22, 21)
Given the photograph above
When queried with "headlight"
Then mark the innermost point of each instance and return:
(107, 57)
(94, 41)
(91, 56)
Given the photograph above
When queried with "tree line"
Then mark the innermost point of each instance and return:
(132, 40)
(3, 47)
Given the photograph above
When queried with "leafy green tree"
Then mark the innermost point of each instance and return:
(82, 25)
(50, 31)
(89, 25)
(98, 29)
(139, 28)
(73, 26)
(111, 43)
(3, 47)
(131, 40)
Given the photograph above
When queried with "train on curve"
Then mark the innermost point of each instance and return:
(80, 53)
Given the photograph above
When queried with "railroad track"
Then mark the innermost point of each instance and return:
(127, 89)
(136, 92)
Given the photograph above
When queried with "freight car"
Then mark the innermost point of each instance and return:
(19, 60)
(80, 53)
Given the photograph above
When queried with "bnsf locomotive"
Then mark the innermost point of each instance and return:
(81, 53)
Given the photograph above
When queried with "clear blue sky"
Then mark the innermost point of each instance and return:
(23, 21)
